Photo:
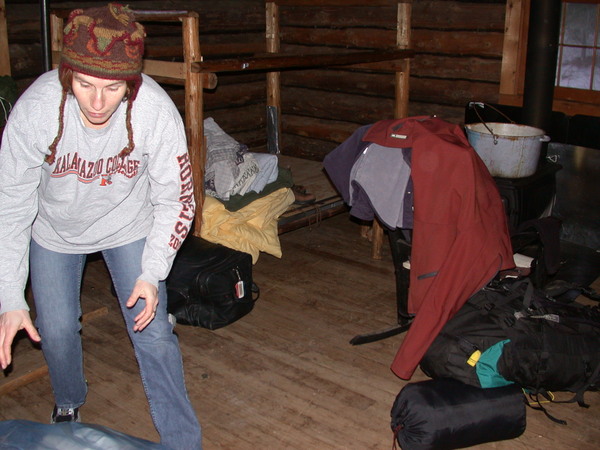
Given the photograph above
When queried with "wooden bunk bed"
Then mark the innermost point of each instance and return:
(197, 74)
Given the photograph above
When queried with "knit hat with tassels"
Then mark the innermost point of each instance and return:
(103, 42)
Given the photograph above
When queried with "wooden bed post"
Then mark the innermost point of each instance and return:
(273, 80)
(56, 38)
(401, 85)
(402, 75)
(194, 121)
(4, 52)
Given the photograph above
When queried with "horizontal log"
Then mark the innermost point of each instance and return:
(224, 16)
(425, 14)
(236, 95)
(452, 92)
(344, 105)
(441, 65)
(141, 14)
(382, 66)
(339, 80)
(279, 61)
(331, 130)
(316, 149)
(362, 38)
(238, 49)
(447, 91)
(230, 96)
(458, 15)
(255, 139)
(215, 17)
(302, 147)
(253, 117)
(458, 42)
(164, 15)
(225, 79)
(209, 82)
(364, 15)
(455, 67)
(231, 17)
(335, 106)
(453, 114)
(343, 3)
(484, 44)
(365, 109)
(171, 47)
(24, 32)
(321, 134)
(25, 60)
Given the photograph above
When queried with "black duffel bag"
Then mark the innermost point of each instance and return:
(447, 414)
(210, 285)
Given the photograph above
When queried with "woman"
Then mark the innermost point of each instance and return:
(94, 159)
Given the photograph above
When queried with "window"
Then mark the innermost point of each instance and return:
(578, 62)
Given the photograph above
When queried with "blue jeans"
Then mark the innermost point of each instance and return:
(56, 284)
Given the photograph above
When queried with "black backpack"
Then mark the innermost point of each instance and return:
(526, 336)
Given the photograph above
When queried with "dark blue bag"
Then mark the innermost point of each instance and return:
(447, 414)
(28, 435)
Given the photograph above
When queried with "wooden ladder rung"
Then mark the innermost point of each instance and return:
(280, 61)
(147, 15)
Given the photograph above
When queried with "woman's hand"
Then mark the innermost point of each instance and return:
(149, 293)
(10, 323)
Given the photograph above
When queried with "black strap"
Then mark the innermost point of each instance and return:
(255, 291)
(536, 398)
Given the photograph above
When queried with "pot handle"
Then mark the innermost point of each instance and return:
(545, 138)
(482, 105)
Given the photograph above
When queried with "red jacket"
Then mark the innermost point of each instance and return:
(460, 237)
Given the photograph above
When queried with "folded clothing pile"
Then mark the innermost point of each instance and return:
(230, 168)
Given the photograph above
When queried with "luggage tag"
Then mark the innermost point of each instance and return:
(239, 286)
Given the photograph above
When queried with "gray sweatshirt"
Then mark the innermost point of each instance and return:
(90, 199)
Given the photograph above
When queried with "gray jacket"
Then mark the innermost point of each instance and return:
(90, 199)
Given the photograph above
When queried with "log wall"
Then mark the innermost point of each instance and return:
(458, 59)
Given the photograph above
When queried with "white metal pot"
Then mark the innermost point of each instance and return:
(508, 150)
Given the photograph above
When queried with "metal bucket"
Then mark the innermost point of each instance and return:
(508, 150)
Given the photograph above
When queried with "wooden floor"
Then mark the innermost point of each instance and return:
(283, 377)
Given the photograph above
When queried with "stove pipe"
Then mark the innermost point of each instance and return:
(45, 35)
(540, 69)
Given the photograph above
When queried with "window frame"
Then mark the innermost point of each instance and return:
(512, 77)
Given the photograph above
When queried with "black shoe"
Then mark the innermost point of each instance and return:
(65, 415)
